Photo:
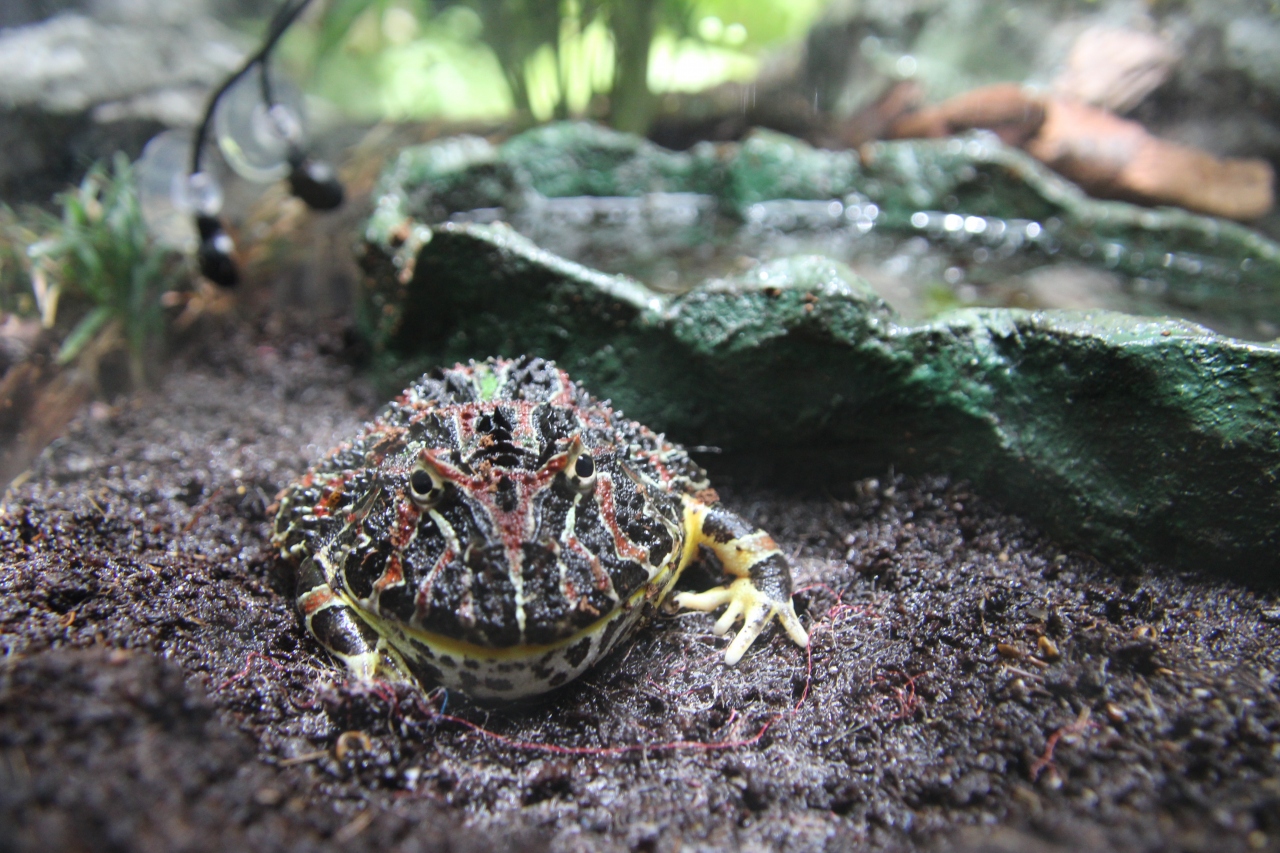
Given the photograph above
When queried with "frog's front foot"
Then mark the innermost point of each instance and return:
(754, 606)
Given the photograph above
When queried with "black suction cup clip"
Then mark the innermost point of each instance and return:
(313, 181)
(214, 254)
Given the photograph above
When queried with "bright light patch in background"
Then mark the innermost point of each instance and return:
(411, 59)
(729, 36)
(394, 64)
(543, 83)
(580, 68)
(752, 24)
(440, 68)
(586, 62)
(399, 25)
(431, 78)
(685, 65)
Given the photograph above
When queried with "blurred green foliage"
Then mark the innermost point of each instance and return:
(96, 259)
(535, 60)
(16, 234)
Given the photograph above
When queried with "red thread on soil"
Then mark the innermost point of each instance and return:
(248, 663)
(839, 608)
(908, 701)
(1079, 727)
(530, 746)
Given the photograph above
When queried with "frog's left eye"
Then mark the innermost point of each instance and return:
(426, 487)
(581, 470)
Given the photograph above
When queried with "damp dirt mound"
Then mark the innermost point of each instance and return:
(968, 685)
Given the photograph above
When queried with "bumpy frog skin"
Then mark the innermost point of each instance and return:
(496, 530)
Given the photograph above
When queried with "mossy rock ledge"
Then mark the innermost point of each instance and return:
(1135, 439)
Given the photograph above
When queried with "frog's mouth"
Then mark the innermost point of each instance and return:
(421, 643)
(503, 454)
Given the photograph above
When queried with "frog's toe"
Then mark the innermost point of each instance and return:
(364, 666)
(753, 606)
(756, 619)
(728, 618)
(791, 622)
(709, 600)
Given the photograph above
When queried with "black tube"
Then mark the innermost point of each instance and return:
(283, 19)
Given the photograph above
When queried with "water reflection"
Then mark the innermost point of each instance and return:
(933, 261)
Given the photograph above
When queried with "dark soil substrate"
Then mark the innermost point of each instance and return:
(969, 683)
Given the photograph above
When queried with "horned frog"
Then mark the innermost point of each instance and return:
(496, 530)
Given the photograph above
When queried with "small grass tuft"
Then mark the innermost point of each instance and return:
(100, 257)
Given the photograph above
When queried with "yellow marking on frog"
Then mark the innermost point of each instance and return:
(744, 598)
(441, 644)
(746, 601)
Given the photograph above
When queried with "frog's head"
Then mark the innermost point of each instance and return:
(504, 523)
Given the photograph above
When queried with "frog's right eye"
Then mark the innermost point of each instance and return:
(580, 471)
(426, 487)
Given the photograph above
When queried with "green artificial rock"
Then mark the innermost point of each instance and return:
(429, 182)
(576, 158)
(1199, 261)
(929, 187)
(1134, 438)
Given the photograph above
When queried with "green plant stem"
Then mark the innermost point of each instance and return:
(632, 105)
(82, 334)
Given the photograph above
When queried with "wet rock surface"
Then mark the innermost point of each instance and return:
(985, 205)
(970, 682)
(1140, 439)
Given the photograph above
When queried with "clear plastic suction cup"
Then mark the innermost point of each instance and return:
(200, 193)
(168, 195)
(256, 139)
